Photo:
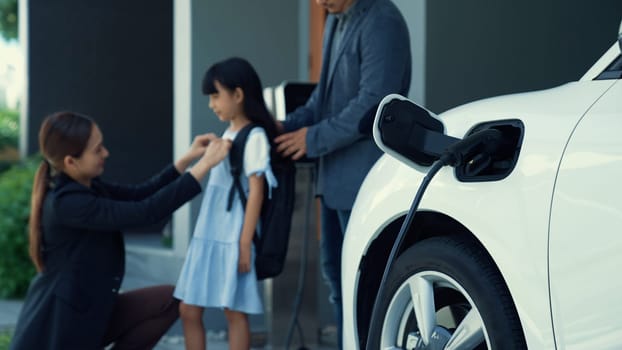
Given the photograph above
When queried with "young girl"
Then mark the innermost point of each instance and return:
(219, 268)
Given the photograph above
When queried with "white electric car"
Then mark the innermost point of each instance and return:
(515, 243)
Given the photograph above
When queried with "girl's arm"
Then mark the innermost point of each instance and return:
(251, 217)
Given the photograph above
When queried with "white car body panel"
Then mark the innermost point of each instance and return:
(585, 241)
(509, 217)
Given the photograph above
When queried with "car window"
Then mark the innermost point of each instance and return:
(613, 71)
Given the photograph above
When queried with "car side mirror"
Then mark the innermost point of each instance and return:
(409, 132)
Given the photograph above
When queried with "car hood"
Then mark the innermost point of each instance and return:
(557, 110)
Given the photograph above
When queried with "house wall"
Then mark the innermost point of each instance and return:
(111, 60)
(479, 48)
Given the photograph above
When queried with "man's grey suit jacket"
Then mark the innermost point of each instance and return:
(373, 60)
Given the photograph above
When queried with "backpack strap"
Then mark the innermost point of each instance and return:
(236, 161)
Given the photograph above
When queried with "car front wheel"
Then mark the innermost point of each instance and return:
(445, 293)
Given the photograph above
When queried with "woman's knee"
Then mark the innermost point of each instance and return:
(166, 289)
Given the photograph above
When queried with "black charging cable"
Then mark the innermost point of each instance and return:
(294, 323)
(481, 143)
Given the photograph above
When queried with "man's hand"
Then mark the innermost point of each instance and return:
(293, 144)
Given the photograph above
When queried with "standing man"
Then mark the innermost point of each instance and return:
(366, 56)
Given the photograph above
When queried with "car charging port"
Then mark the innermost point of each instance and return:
(499, 162)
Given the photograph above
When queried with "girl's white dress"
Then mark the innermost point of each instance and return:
(209, 276)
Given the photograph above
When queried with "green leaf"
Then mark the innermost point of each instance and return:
(8, 19)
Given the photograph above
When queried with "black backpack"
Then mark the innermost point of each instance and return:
(276, 211)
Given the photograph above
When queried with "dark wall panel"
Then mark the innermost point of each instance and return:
(111, 60)
(482, 48)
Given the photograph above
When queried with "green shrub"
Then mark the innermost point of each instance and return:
(16, 269)
(5, 339)
(9, 128)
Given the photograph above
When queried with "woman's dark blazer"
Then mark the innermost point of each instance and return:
(69, 304)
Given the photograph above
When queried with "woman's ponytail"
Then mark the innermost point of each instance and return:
(39, 189)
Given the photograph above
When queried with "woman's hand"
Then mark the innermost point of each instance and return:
(215, 152)
(196, 150)
(244, 261)
(199, 144)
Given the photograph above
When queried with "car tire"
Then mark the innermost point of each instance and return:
(453, 283)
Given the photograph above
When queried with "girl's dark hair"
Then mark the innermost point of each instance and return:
(61, 134)
(235, 73)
